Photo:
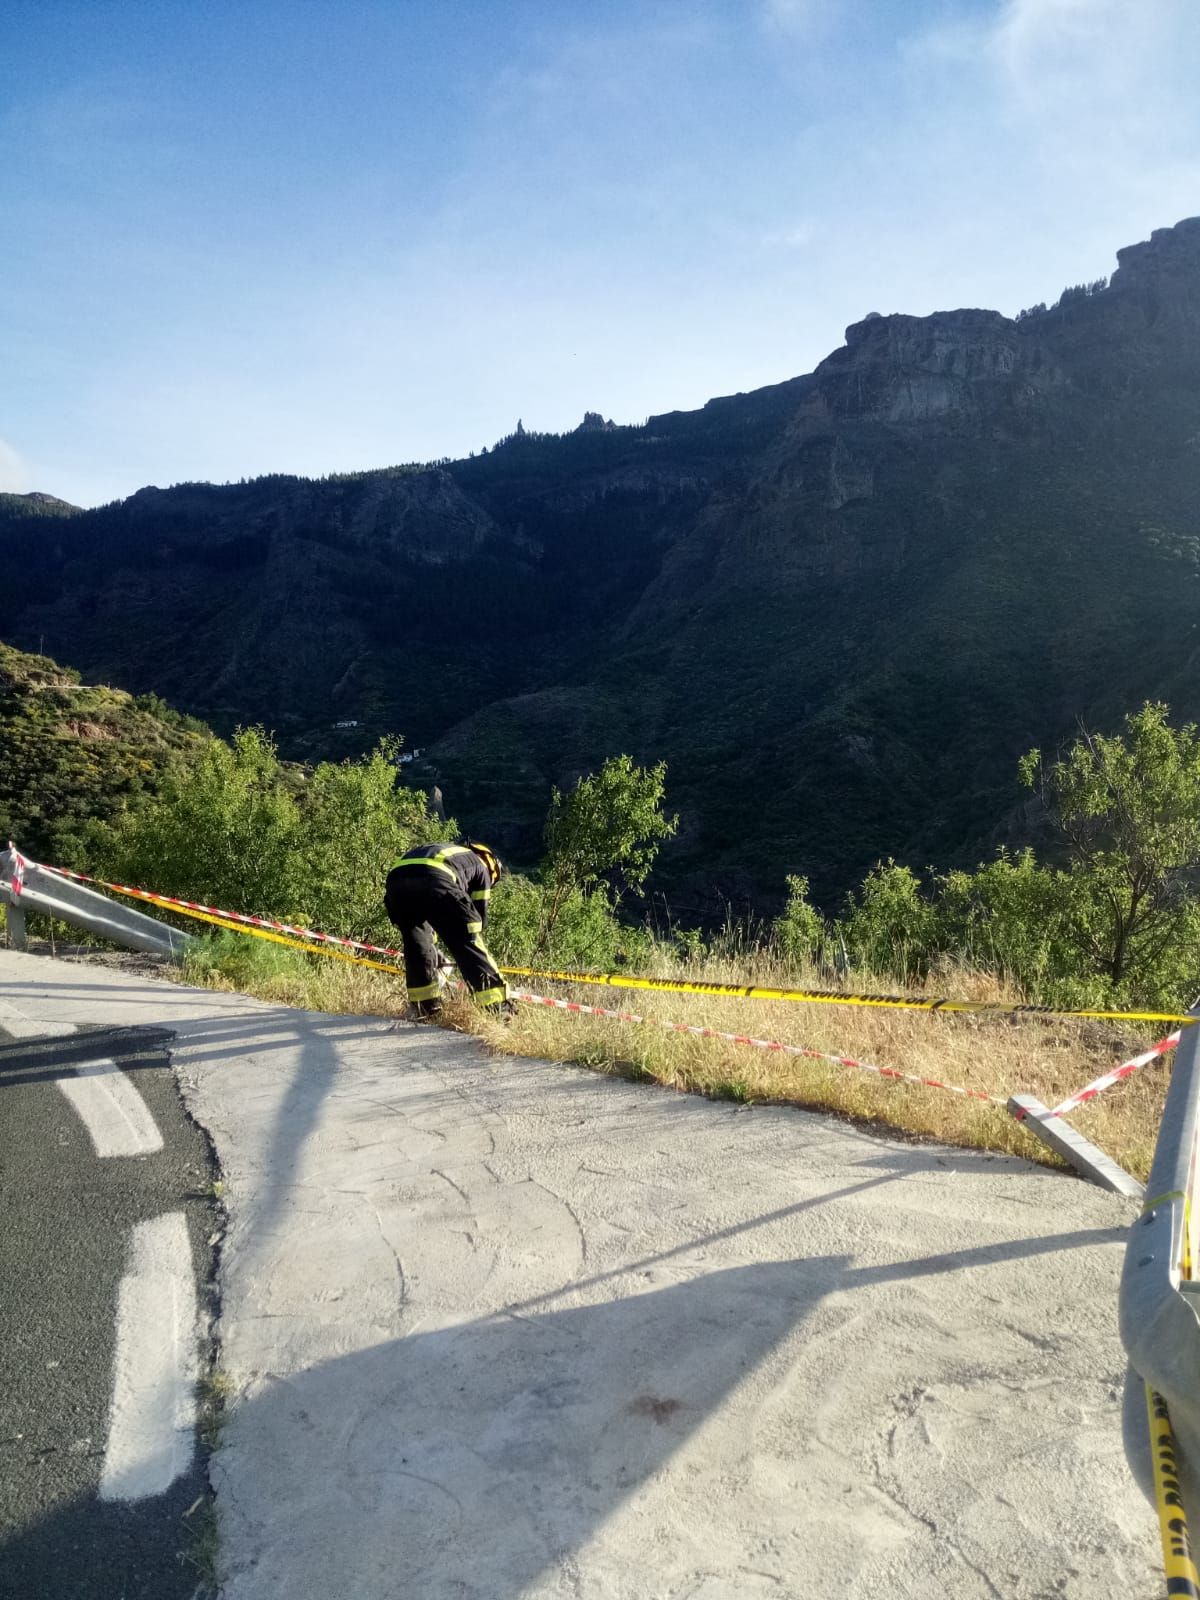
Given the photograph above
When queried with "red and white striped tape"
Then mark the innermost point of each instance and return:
(230, 916)
(1089, 1092)
(17, 882)
(1107, 1079)
(761, 1044)
(574, 1006)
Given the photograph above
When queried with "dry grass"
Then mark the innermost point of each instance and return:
(317, 983)
(1046, 1057)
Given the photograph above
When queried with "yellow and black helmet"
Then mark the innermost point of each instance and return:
(489, 858)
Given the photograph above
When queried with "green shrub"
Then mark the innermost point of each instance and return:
(247, 963)
(360, 823)
(586, 932)
(237, 828)
(1010, 916)
(890, 927)
(800, 932)
(601, 837)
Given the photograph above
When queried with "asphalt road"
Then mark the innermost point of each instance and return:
(75, 1517)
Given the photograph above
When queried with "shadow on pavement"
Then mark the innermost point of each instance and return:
(89, 1550)
(476, 1460)
(485, 1460)
(468, 1461)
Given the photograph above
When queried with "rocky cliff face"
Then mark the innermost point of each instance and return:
(1160, 276)
(915, 369)
(840, 606)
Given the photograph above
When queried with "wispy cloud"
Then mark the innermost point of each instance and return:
(1028, 31)
(789, 16)
(1057, 58)
(1092, 92)
(797, 236)
(14, 474)
(1104, 59)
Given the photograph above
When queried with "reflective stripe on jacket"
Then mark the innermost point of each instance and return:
(456, 862)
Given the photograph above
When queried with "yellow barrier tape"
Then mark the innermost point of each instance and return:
(275, 938)
(619, 980)
(833, 997)
(1182, 1577)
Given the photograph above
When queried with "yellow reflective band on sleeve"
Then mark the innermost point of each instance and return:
(491, 997)
(478, 945)
(427, 991)
(481, 894)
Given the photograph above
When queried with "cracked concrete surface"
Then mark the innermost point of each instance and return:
(505, 1330)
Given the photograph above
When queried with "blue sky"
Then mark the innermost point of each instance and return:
(260, 236)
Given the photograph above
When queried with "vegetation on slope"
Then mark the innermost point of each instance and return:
(72, 755)
(1118, 924)
(240, 829)
(17, 507)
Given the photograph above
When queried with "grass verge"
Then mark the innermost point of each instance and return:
(213, 1394)
(203, 1544)
(1047, 1057)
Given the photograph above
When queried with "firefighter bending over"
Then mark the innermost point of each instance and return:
(443, 890)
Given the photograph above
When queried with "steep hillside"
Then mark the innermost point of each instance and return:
(840, 607)
(73, 752)
(16, 507)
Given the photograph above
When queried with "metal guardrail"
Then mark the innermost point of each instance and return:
(26, 886)
(1160, 1296)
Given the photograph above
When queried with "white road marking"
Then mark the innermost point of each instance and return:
(116, 1117)
(22, 1027)
(150, 1438)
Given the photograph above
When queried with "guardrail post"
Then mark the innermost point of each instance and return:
(1160, 1298)
(1086, 1157)
(14, 923)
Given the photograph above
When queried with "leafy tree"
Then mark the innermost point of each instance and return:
(585, 933)
(1011, 916)
(359, 824)
(890, 927)
(1128, 809)
(225, 829)
(606, 831)
(800, 931)
(241, 829)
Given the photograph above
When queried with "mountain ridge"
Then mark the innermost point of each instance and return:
(839, 606)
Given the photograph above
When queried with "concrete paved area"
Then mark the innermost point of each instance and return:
(504, 1329)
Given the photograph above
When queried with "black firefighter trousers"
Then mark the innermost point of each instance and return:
(422, 902)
